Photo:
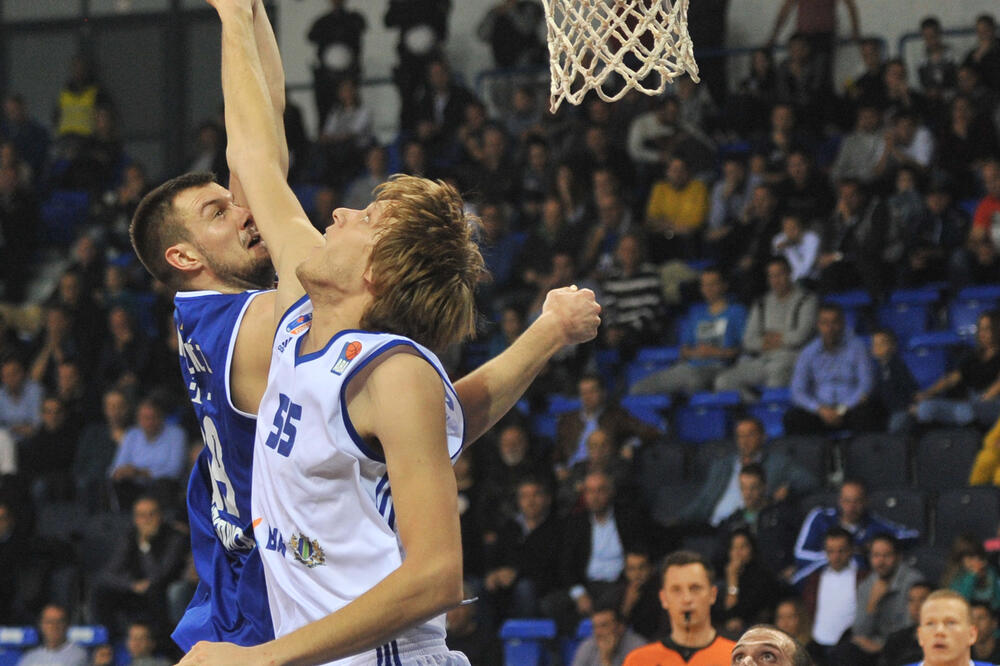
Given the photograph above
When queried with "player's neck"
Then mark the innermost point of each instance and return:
(330, 318)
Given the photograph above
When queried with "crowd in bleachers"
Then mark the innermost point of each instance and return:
(809, 273)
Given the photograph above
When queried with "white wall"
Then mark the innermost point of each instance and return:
(749, 23)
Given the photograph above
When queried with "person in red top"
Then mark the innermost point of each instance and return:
(987, 215)
(687, 595)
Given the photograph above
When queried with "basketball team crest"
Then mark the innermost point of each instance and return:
(347, 354)
(307, 551)
(299, 324)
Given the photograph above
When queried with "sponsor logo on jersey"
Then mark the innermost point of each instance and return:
(307, 551)
(347, 354)
(283, 344)
(299, 324)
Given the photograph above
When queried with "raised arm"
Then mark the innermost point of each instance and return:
(255, 153)
(569, 316)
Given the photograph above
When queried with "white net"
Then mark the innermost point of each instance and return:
(644, 42)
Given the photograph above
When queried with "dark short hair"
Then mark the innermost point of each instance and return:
(887, 538)
(930, 22)
(830, 306)
(754, 469)
(838, 532)
(682, 558)
(155, 225)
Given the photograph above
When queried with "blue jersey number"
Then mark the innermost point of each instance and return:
(282, 435)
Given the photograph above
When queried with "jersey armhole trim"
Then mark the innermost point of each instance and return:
(355, 437)
(232, 351)
(297, 304)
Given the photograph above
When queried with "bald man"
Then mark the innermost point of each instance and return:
(766, 645)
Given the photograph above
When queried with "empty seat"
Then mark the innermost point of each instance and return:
(649, 360)
(670, 499)
(926, 355)
(905, 506)
(702, 456)
(928, 560)
(822, 499)
(854, 304)
(880, 460)
(706, 416)
(524, 640)
(62, 213)
(807, 451)
(14, 641)
(943, 458)
(974, 511)
(771, 408)
(650, 409)
(87, 635)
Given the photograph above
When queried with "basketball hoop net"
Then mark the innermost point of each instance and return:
(591, 39)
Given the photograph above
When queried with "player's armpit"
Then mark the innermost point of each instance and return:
(252, 353)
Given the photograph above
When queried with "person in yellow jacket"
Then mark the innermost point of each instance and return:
(986, 467)
(676, 211)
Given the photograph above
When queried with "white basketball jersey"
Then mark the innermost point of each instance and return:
(322, 502)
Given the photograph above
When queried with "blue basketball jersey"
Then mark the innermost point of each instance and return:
(230, 603)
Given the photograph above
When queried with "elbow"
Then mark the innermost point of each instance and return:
(443, 582)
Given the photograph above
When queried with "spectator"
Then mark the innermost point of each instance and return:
(513, 458)
(984, 220)
(710, 339)
(987, 647)
(103, 655)
(817, 22)
(592, 553)
(894, 383)
(907, 144)
(851, 515)
(442, 100)
(799, 245)
(468, 634)
(512, 28)
(780, 324)
(869, 85)
(946, 633)
(141, 645)
(759, 511)
(359, 190)
(676, 210)
(755, 95)
(640, 597)
(900, 97)
(783, 135)
(209, 152)
(751, 589)
(57, 344)
(612, 640)
(978, 580)
(571, 194)
(19, 215)
(967, 143)
(46, 457)
(687, 595)
(698, 109)
(861, 150)
(18, 573)
(730, 196)
(882, 601)
(423, 27)
(136, 576)
(974, 385)
(933, 238)
(830, 592)
(525, 563)
(614, 221)
(832, 382)
(938, 71)
(720, 495)
(20, 400)
(151, 454)
(603, 455)
(28, 135)
(901, 646)
(791, 617)
(552, 235)
(633, 310)
(125, 357)
(749, 244)
(97, 447)
(656, 135)
(804, 82)
(985, 57)
(346, 133)
(87, 322)
(337, 36)
(55, 649)
(803, 191)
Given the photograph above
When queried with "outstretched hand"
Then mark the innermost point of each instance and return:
(577, 310)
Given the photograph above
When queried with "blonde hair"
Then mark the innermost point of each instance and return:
(425, 264)
(949, 595)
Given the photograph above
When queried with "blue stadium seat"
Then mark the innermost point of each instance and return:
(926, 355)
(61, 214)
(905, 319)
(524, 641)
(648, 408)
(14, 641)
(902, 505)
(968, 304)
(649, 360)
(771, 408)
(87, 635)
(853, 303)
(306, 194)
(560, 404)
(706, 416)
(570, 645)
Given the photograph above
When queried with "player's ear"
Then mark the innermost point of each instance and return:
(183, 257)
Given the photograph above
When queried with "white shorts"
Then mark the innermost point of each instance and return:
(425, 653)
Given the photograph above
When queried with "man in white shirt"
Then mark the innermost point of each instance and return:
(55, 650)
(832, 590)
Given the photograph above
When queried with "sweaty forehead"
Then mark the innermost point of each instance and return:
(765, 638)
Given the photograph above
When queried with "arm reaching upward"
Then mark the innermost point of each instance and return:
(254, 149)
